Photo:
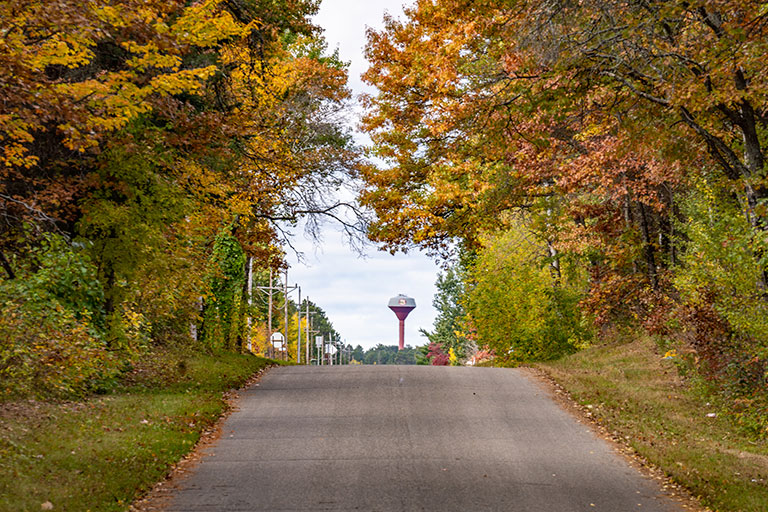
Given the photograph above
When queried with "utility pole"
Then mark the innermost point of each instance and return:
(337, 354)
(250, 303)
(298, 321)
(309, 328)
(269, 291)
(285, 300)
(308, 316)
(287, 289)
(269, 314)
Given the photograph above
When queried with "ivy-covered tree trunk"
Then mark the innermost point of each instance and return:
(225, 280)
(648, 250)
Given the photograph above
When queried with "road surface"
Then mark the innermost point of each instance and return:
(409, 438)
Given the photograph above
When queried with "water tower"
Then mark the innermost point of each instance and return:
(402, 305)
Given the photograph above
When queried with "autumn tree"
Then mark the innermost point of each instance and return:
(142, 132)
(599, 121)
(514, 305)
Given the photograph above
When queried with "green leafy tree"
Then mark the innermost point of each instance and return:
(358, 354)
(449, 327)
(517, 307)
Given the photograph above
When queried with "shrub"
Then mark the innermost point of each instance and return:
(723, 312)
(51, 324)
(437, 356)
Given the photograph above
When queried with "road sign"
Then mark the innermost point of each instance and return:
(318, 342)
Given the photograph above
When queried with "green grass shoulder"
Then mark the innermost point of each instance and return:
(101, 453)
(634, 392)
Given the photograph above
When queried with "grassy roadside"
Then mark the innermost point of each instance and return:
(638, 396)
(101, 453)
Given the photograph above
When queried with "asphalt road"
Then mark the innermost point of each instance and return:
(409, 438)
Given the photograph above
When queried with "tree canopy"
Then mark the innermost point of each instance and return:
(164, 146)
(624, 141)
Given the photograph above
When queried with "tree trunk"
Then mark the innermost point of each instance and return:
(666, 234)
(243, 316)
(109, 303)
(554, 264)
(650, 258)
(203, 334)
(7, 266)
(628, 223)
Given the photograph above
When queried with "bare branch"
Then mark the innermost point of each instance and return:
(38, 213)
(642, 94)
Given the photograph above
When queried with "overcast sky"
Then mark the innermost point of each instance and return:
(354, 291)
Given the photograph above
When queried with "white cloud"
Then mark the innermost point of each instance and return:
(345, 23)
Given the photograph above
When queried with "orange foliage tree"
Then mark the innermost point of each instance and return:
(599, 121)
(591, 114)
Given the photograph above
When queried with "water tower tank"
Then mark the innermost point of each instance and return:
(402, 305)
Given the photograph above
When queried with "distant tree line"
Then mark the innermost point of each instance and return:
(387, 354)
